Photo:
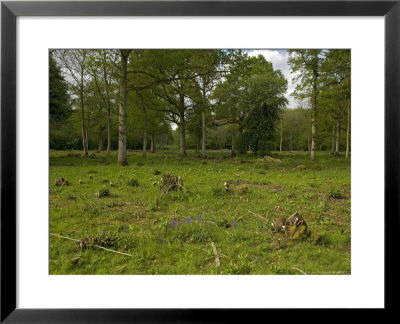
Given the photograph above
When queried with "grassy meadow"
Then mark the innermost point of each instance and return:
(181, 232)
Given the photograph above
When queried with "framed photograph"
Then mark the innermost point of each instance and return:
(167, 161)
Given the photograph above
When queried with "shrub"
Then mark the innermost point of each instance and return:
(217, 192)
(336, 194)
(103, 192)
(241, 190)
(133, 183)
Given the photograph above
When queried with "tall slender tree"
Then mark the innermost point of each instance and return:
(75, 64)
(307, 65)
(123, 92)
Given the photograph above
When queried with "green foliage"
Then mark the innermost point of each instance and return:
(260, 128)
(103, 192)
(335, 193)
(59, 102)
(133, 183)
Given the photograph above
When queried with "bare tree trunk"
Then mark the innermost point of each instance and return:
(84, 137)
(183, 138)
(108, 131)
(313, 133)
(108, 106)
(145, 137)
(314, 115)
(348, 133)
(122, 127)
(86, 131)
(333, 140)
(182, 126)
(204, 128)
(280, 144)
(144, 129)
(337, 137)
(233, 151)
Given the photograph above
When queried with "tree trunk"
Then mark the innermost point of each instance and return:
(308, 142)
(280, 144)
(108, 130)
(144, 129)
(233, 152)
(153, 143)
(122, 127)
(83, 128)
(204, 128)
(348, 132)
(108, 106)
(314, 115)
(182, 126)
(313, 131)
(337, 137)
(333, 140)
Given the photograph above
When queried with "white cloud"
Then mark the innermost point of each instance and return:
(279, 58)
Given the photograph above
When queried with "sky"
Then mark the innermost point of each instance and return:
(279, 58)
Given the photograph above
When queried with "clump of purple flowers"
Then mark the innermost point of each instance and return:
(188, 220)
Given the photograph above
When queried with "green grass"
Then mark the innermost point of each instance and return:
(172, 233)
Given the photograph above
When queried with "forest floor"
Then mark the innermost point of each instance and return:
(181, 232)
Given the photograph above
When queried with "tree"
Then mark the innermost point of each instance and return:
(175, 87)
(260, 128)
(252, 83)
(59, 101)
(210, 67)
(337, 67)
(123, 92)
(307, 65)
(103, 71)
(75, 64)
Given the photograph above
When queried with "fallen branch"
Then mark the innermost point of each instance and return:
(215, 254)
(75, 259)
(301, 271)
(258, 215)
(98, 246)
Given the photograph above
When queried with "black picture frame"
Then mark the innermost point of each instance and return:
(11, 10)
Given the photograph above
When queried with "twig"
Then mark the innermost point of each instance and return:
(219, 253)
(65, 237)
(103, 248)
(301, 271)
(258, 215)
(75, 259)
(215, 254)
(98, 246)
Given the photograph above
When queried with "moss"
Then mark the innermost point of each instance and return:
(241, 190)
(316, 237)
(297, 233)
